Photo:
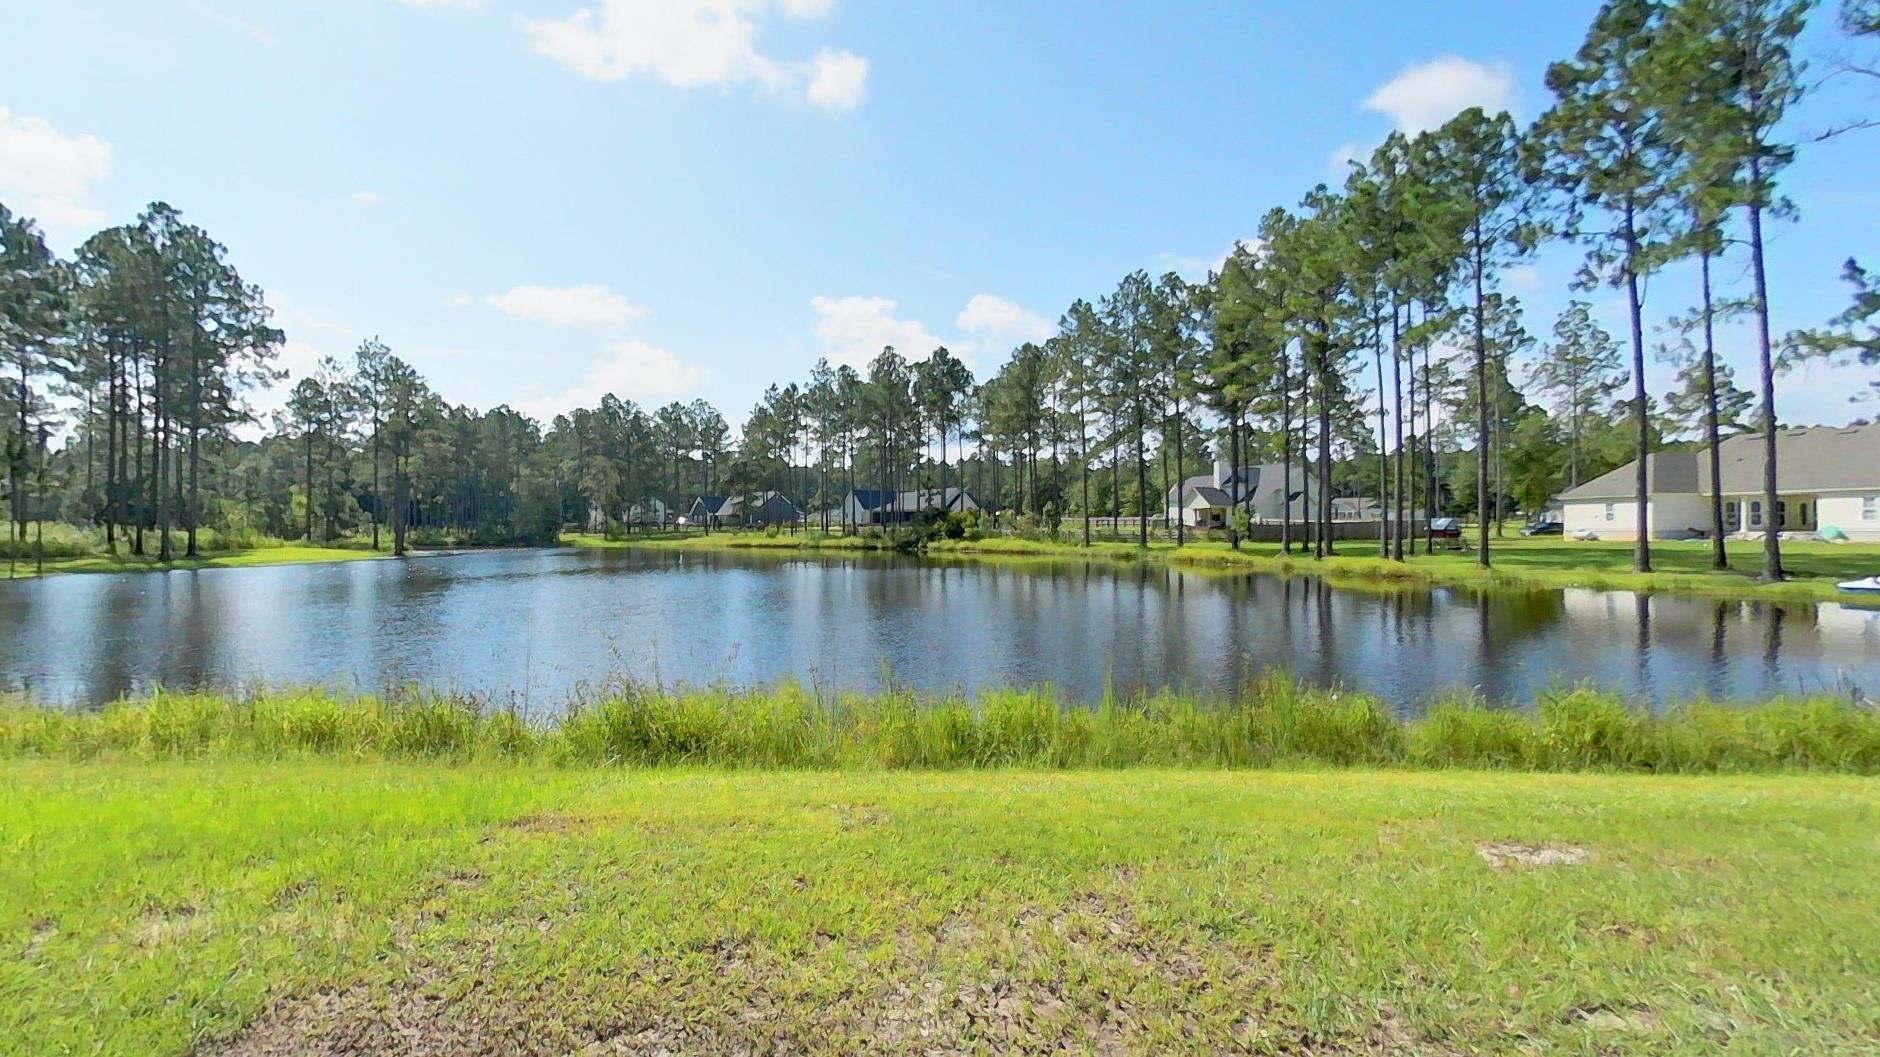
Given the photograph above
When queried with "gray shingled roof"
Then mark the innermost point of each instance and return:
(1812, 459)
(1255, 481)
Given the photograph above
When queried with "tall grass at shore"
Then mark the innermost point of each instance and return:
(1276, 723)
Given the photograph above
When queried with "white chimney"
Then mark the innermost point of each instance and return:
(1222, 472)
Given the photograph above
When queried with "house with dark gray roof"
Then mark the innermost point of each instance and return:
(1203, 501)
(762, 508)
(1826, 477)
(874, 506)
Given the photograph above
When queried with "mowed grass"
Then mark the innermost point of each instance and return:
(286, 554)
(317, 906)
(1681, 566)
(810, 538)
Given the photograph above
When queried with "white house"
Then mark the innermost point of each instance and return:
(1202, 501)
(1827, 477)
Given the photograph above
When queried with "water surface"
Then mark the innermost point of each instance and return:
(534, 626)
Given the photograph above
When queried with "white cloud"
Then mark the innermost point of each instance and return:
(1338, 162)
(439, 3)
(993, 321)
(631, 370)
(590, 305)
(367, 198)
(257, 33)
(1196, 269)
(838, 80)
(1428, 94)
(695, 44)
(853, 330)
(1524, 277)
(48, 175)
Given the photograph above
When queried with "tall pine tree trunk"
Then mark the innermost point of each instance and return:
(1642, 551)
(1765, 363)
(1719, 556)
(1481, 406)
(1396, 401)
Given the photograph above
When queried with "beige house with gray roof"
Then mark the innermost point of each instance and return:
(1827, 477)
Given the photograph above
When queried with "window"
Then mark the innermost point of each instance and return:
(1870, 508)
(1732, 515)
(1608, 511)
(1782, 514)
(1755, 514)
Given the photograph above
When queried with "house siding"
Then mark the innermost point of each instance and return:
(1677, 516)
(1845, 513)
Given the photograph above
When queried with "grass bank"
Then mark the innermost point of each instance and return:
(285, 554)
(723, 540)
(1681, 567)
(1276, 723)
(73, 549)
(233, 908)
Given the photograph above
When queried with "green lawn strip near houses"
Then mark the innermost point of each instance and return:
(232, 907)
(807, 539)
(1680, 567)
(289, 554)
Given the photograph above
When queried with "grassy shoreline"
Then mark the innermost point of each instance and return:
(324, 906)
(1815, 568)
(229, 559)
(1276, 723)
(1521, 563)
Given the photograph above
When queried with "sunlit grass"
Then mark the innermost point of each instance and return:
(1679, 566)
(325, 906)
(804, 539)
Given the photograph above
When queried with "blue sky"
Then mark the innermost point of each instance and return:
(537, 201)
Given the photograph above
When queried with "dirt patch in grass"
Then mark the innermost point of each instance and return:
(1088, 976)
(165, 925)
(551, 823)
(1503, 854)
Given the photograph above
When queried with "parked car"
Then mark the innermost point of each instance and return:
(1445, 528)
(1544, 528)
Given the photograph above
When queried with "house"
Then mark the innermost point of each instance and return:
(1356, 508)
(1827, 477)
(650, 510)
(767, 508)
(711, 509)
(874, 506)
(759, 508)
(1202, 501)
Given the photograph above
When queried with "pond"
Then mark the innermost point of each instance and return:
(532, 627)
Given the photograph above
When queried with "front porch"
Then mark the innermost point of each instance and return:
(1793, 513)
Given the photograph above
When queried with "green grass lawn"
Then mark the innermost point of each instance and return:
(288, 554)
(1678, 566)
(314, 906)
(807, 539)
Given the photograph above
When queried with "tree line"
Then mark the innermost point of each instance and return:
(1364, 336)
